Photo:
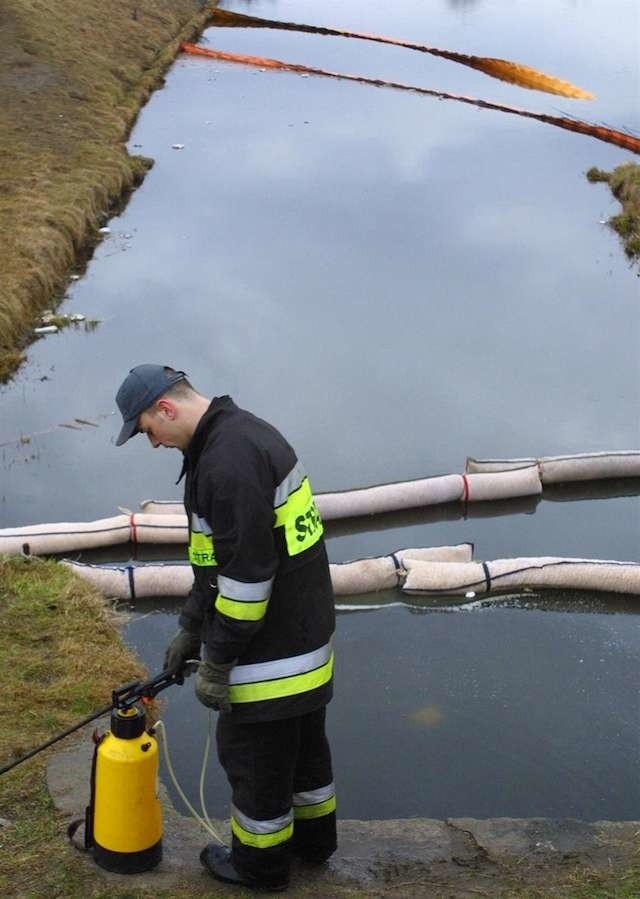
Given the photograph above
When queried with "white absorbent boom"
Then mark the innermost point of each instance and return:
(349, 578)
(484, 480)
(433, 571)
(162, 522)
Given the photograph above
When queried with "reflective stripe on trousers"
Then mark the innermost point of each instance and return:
(264, 834)
(314, 803)
(261, 834)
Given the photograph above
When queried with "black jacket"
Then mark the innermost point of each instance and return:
(262, 590)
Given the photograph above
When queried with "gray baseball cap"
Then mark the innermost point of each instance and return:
(142, 386)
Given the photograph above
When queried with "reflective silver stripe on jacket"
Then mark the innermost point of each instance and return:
(264, 671)
(292, 481)
(200, 525)
(313, 797)
(243, 592)
(272, 825)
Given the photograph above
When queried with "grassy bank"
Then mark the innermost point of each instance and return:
(61, 655)
(624, 182)
(73, 77)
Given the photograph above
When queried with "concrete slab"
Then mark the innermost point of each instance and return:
(457, 858)
(553, 840)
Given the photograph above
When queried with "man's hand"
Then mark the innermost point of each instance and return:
(212, 685)
(184, 645)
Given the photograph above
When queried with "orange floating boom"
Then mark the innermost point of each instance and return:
(504, 69)
(609, 135)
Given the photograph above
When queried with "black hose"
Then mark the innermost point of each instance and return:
(23, 758)
(122, 698)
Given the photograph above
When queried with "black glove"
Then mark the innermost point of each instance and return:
(212, 685)
(184, 645)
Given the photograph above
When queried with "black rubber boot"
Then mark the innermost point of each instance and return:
(217, 861)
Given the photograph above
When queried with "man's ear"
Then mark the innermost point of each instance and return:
(168, 407)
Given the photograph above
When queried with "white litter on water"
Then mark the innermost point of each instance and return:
(361, 607)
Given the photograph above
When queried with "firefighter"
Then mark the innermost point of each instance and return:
(262, 607)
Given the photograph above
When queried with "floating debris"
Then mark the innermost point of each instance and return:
(53, 322)
(27, 438)
(177, 146)
(428, 716)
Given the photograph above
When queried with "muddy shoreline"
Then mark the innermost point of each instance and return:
(73, 79)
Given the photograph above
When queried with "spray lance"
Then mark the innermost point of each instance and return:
(123, 821)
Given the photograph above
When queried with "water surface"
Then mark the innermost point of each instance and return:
(517, 712)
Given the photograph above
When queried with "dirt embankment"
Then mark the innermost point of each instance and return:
(73, 77)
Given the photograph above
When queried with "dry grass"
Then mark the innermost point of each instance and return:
(61, 655)
(59, 641)
(73, 76)
(624, 182)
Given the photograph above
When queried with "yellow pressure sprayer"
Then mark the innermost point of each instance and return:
(123, 821)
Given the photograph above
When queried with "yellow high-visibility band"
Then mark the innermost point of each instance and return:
(300, 518)
(201, 550)
(284, 686)
(261, 840)
(305, 812)
(244, 611)
(295, 503)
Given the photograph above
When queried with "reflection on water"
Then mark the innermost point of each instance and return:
(499, 69)
(504, 69)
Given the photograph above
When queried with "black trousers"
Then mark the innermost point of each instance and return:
(283, 797)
